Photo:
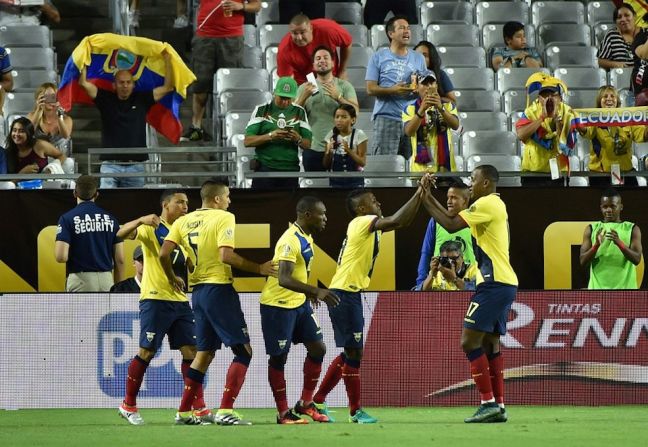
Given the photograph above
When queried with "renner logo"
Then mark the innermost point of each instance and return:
(118, 340)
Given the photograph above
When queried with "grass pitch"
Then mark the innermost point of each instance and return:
(400, 427)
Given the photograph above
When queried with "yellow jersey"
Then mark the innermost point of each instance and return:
(488, 222)
(612, 145)
(155, 285)
(357, 256)
(293, 246)
(201, 233)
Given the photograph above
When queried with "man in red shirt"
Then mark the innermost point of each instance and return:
(295, 57)
(218, 43)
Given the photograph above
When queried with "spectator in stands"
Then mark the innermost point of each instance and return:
(295, 55)
(123, 123)
(277, 130)
(218, 43)
(49, 119)
(6, 78)
(639, 77)
(433, 62)
(516, 53)
(314, 9)
(429, 123)
(375, 11)
(612, 145)
(11, 15)
(449, 271)
(640, 9)
(320, 100)
(615, 50)
(391, 78)
(545, 129)
(346, 148)
(181, 21)
(611, 247)
(28, 155)
(132, 284)
(458, 198)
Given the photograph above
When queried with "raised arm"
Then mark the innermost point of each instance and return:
(169, 82)
(129, 229)
(404, 216)
(89, 87)
(441, 215)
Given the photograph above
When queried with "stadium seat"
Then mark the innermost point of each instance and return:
(641, 181)
(626, 97)
(582, 77)
(441, 12)
(581, 99)
(386, 163)
(600, 31)
(32, 58)
(478, 101)
(365, 101)
(379, 37)
(482, 121)
(600, 12)
(514, 101)
(360, 57)
(565, 56)
(271, 35)
(564, 34)
(359, 33)
(356, 76)
(28, 80)
(470, 78)
(243, 101)
(269, 13)
(515, 78)
(25, 36)
(488, 142)
(501, 12)
(235, 123)
(18, 103)
(350, 13)
(313, 183)
(462, 56)
(492, 35)
(240, 79)
(621, 78)
(252, 57)
(460, 163)
(582, 147)
(270, 58)
(503, 163)
(250, 35)
(237, 142)
(640, 149)
(363, 121)
(557, 12)
(453, 34)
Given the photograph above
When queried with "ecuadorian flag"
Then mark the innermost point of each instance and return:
(104, 54)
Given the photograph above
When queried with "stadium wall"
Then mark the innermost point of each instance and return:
(578, 348)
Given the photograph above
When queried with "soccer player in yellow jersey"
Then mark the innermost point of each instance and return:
(208, 235)
(352, 276)
(163, 309)
(287, 316)
(487, 314)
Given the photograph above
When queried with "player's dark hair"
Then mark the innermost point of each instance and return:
(321, 47)
(510, 28)
(457, 184)
(610, 192)
(168, 193)
(615, 14)
(353, 198)
(86, 187)
(389, 26)
(299, 19)
(451, 246)
(213, 187)
(307, 203)
(489, 172)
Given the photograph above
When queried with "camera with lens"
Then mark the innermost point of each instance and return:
(445, 261)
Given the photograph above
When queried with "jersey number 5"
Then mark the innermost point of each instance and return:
(193, 242)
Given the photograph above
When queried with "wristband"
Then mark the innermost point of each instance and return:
(621, 245)
(595, 247)
(339, 97)
(420, 116)
(270, 135)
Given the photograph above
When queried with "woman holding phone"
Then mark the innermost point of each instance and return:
(50, 121)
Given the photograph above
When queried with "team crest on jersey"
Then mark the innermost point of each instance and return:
(282, 343)
(229, 233)
(286, 250)
(150, 336)
(357, 336)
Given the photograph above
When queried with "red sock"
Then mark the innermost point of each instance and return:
(278, 385)
(331, 379)
(496, 366)
(193, 387)
(312, 371)
(351, 376)
(233, 383)
(199, 400)
(136, 370)
(481, 374)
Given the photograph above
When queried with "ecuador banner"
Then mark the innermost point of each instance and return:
(104, 54)
(611, 117)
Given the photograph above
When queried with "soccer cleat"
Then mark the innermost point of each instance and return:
(181, 22)
(187, 418)
(131, 414)
(290, 418)
(362, 417)
(230, 417)
(205, 415)
(311, 411)
(324, 409)
(484, 413)
(501, 417)
(195, 134)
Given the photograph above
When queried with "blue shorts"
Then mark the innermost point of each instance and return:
(219, 318)
(489, 307)
(347, 320)
(281, 327)
(159, 318)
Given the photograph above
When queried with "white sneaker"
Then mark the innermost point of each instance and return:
(133, 417)
(189, 419)
(181, 22)
(133, 18)
(205, 415)
(230, 417)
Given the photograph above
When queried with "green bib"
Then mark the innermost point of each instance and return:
(462, 236)
(610, 269)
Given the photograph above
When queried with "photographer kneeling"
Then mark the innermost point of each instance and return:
(448, 271)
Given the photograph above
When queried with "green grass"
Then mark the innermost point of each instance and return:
(399, 427)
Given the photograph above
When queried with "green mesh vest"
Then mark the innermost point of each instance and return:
(610, 269)
(463, 236)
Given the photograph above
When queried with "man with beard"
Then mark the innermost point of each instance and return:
(320, 102)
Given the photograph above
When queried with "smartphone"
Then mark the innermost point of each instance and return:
(50, 98)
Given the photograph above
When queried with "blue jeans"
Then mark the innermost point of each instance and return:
(108, 167)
